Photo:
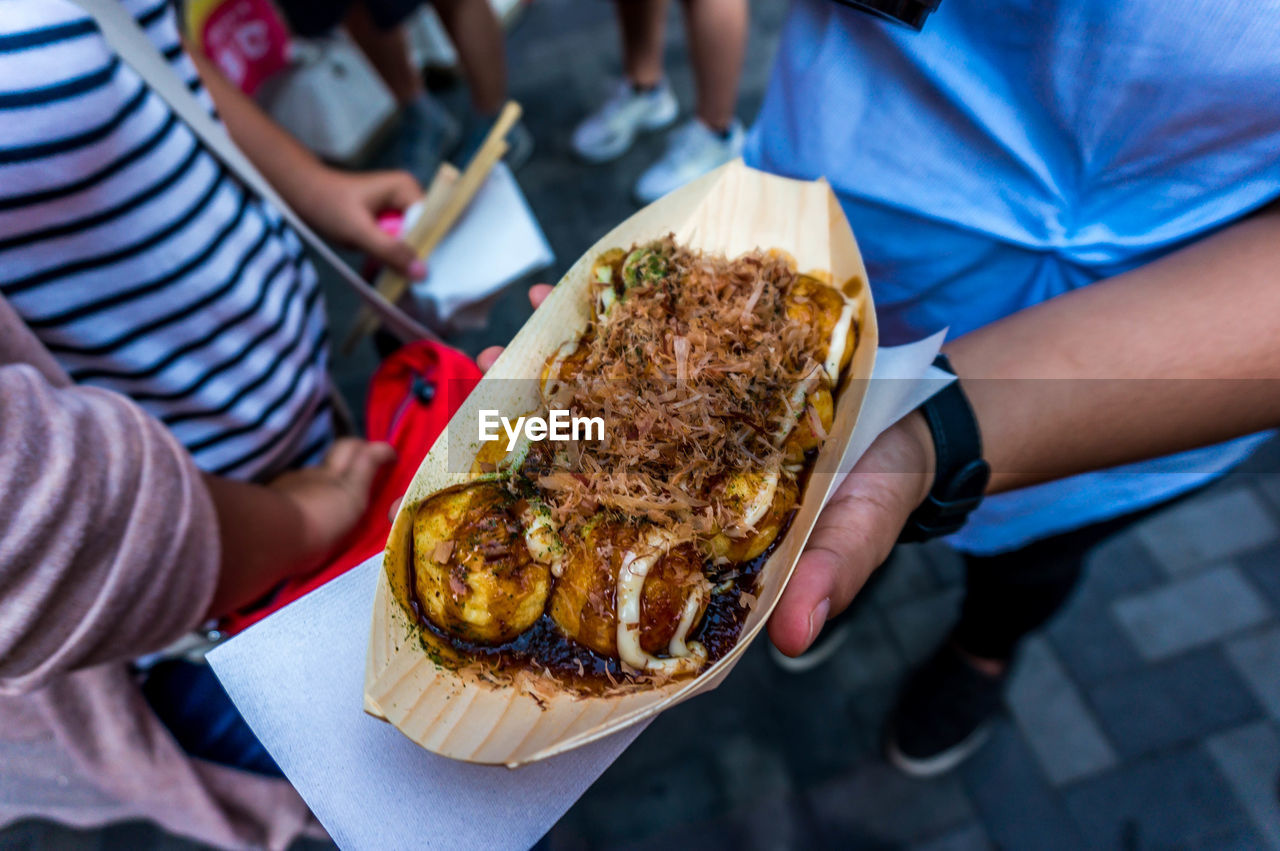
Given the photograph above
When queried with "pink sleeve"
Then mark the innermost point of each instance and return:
(108, 539)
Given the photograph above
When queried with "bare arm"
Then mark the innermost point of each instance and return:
(1181, 353)
(269, 534)
(342, 206)
(1175, 355)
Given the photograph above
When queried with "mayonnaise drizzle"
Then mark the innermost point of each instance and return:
(685, 657)
(759, 504)
(839, 338)
(542, 538)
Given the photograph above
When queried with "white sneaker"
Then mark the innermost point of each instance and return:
(694, 150)
(607, 133)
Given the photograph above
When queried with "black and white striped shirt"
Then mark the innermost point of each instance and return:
(139, 261)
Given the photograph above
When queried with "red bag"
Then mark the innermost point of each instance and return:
(412, 397)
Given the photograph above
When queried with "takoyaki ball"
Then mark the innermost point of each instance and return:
(608, 267)
(584, 601)
(813, 302)
(493, 455)
(472, 570)
(804, 437)
(667, 587)
(563, 367)
(762, 501)
(606, 280)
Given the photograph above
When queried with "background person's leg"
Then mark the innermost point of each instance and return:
(477, 36)
(717, 32)
(944, 710)
(642, 25)
(1011, 594)
(388, 51)
(427, 132)
(642, 101)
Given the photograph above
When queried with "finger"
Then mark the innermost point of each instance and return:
(538, 294)
(395, 507)
(339, 456)
(854, 535)
(485, 359)
(390, 251)
(365, 464)
(397, 190)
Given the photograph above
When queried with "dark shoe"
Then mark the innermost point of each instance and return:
(834, 634)
(428, 134)
(476, 130)
(943, 715)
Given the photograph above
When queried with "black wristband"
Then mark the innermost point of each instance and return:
(961, 475)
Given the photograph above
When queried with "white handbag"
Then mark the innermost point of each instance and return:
(330, 99)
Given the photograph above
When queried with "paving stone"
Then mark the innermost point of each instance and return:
(806, 724)
(1050, 712)
(710, 835)
(1087, 638)
(875, 802)
(1256, 658)
(920, 625)
(748, 771)
(970, 837)
(1190, 612)
(1172, 702)
(1240, 838)
(868, 656)
(869, 708)
(768, 824)
(1209, 528)
(1014, 801)
(1249, 757)
(25, 836)
(1262, 568)
(638, 799)
(1269, 484)
(1121, 566)
(1176, 797)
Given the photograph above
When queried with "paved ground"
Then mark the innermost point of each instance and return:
(1147, 716)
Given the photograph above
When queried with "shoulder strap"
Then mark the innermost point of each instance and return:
(127, 38)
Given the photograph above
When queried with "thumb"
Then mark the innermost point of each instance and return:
(364, 464)
(854, 535)
(392, 252)
(855, 532)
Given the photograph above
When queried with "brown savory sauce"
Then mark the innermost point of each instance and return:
(543, 646)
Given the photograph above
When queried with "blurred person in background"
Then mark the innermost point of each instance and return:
(186, 315)
(429, 134)
(1092, 155)
(643, 101)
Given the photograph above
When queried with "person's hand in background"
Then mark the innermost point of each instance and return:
(341, 206)
(344, 207)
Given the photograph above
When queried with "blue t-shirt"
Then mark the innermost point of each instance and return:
(1017, 150)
